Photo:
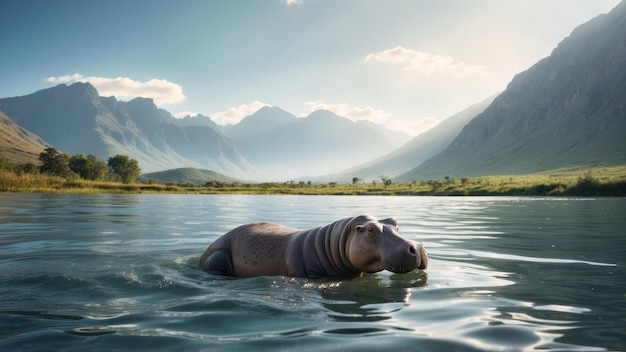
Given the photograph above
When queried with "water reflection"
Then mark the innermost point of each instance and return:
(371, 297)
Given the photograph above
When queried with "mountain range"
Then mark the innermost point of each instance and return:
(315, 145)
(566, 111)
(270, 144)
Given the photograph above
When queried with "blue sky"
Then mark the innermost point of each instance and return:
(406, 64)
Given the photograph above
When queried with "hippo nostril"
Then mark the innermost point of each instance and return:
(412, 251)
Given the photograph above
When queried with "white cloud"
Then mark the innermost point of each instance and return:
(234, 115)
(293, 2)
(161, 90)
(65, 79)
(425, 63)
(350, 112)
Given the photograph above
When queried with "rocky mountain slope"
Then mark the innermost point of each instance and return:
(568, 110)
(17, 145)
(75, 119)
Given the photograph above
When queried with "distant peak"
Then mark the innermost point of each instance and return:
(80, 84)
(73, 86)
(75, 89)
(324, 114)
(268, 108)
(83, 86)
(140, 100)
(270, 111)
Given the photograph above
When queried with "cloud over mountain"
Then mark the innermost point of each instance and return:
(124, 88)
(236, 114)
(350, 112)
(368, 113)
(425, 63)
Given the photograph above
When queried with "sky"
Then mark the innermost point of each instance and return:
(405, 64)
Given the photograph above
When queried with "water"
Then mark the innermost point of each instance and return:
(118, 272)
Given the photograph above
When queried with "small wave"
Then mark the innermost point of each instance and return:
(514, 257)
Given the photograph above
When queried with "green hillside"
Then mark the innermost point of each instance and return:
(188, 175)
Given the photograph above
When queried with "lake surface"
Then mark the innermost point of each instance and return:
(119, 272)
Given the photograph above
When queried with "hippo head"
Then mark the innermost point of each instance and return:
(375, 246)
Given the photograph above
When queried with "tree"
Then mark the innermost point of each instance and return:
(89, 168)
(78, 164)
(54, 162)
(355, 180)
(124, 168)
(96, 169)
(586, 185)
(386, 180)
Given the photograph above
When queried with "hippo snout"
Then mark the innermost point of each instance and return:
(417, 250)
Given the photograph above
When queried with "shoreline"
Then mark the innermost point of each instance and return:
(605, 182)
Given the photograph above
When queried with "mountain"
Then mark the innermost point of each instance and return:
(394, 137)
(264, 120)
(284, 146)
(415, 151)
(568, 110)
(75, 119)
(201, 144)
(198, 120)
(58, 115)
(17, 144)
(188, 175)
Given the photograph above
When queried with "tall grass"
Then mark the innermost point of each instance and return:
(11, 181)
(584, 182)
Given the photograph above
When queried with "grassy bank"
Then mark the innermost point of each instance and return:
(608, 181)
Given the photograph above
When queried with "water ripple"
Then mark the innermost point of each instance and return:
(111, 272)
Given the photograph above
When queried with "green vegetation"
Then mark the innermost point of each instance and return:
(89, 168)
(60, 172)
(124, 168)
(607, 181)
(188, 176)
(55, 163)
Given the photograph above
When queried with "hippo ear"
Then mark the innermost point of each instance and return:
(390, 221)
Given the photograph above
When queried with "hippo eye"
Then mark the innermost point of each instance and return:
(371, 233)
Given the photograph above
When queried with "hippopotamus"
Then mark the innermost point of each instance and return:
(345, 248)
